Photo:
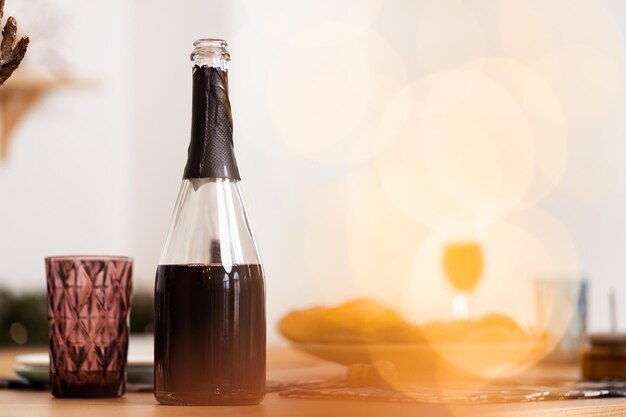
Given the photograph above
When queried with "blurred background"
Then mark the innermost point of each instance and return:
(369, 135)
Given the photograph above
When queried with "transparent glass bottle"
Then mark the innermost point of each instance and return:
(209, 290)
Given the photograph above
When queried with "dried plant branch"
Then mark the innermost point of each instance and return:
(11, 53)
(12, 61)
(8, 37)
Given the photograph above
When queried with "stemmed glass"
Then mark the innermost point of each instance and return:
(463, 265)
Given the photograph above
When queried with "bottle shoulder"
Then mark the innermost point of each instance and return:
(210, 226)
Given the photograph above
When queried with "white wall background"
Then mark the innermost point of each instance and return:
(64, 187)
(97, 170)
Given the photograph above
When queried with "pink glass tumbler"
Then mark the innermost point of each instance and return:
(88, 310)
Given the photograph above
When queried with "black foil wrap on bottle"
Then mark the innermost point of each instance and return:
(211, 151)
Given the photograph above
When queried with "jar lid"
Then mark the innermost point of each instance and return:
(607, 339)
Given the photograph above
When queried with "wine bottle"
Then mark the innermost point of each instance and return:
(209, 346)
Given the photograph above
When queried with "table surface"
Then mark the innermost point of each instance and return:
(283, 364)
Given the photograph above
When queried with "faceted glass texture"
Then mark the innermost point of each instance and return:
(88, 308)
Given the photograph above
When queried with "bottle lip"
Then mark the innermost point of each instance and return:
(210, 52)
(214, 42)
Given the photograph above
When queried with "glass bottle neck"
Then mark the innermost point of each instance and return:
(211, 151)
(210, 53)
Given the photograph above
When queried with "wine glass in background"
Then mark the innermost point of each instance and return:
(463, 265)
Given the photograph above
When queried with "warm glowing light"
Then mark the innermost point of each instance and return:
(463, 265)
(545, 117)
(341, 93)
(527, 246)
(400, 168)
(465, 141)
(381, 242)
(459, 307)
(448, 34)
(457, 157)
(475, 140)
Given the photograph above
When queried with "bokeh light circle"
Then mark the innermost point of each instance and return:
(400, 169)
(475, 140)
(527, 246)
(380, 240)
(327, 102)
(465, 141)
(545, 117)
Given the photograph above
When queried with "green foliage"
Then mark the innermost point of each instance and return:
(28, 312)
(142, 313)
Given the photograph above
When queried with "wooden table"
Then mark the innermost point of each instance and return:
(283, 364)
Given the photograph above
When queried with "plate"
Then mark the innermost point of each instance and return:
(43, 359)
(35, 367)
(41, 374)
(139, 369)
(438, 362)
(33, 374)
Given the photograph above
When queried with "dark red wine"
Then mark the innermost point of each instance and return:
(95, 384)
(209, 335)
